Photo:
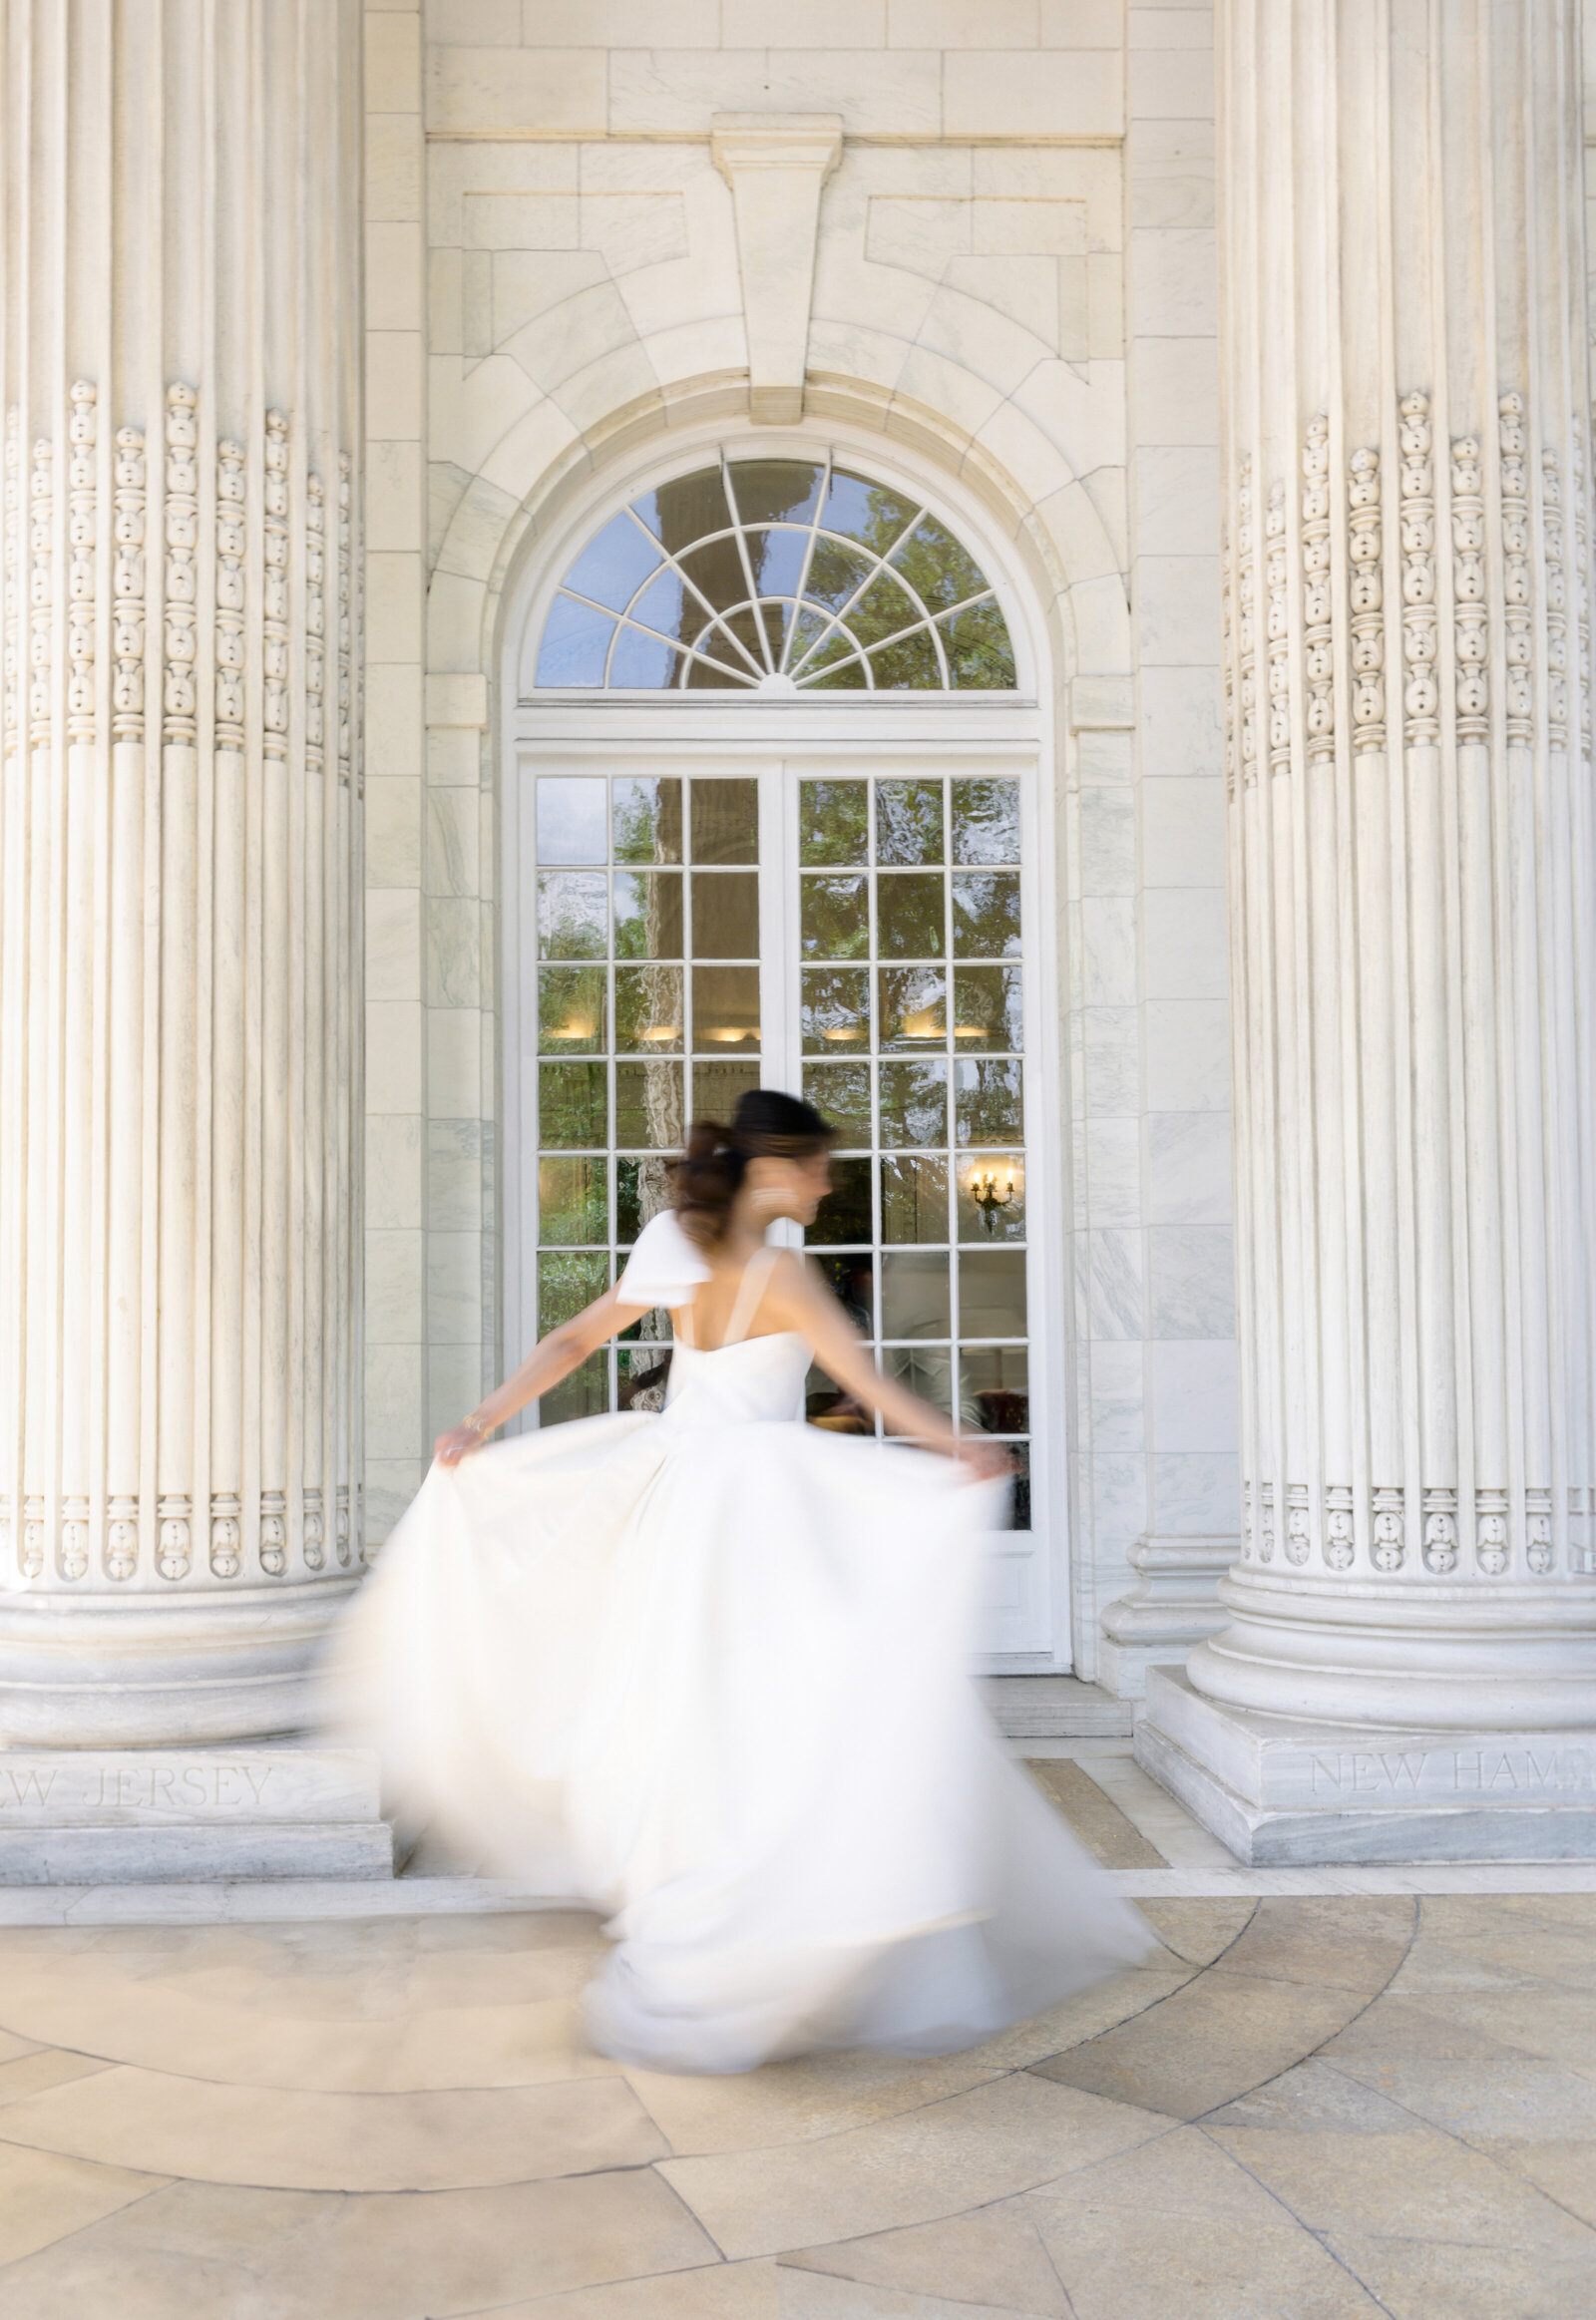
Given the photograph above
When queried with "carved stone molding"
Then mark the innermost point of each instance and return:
(775, 164)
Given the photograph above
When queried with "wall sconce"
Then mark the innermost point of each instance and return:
(985, 1194)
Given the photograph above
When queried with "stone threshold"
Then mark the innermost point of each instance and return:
(313, 1900)
(1055, 1708)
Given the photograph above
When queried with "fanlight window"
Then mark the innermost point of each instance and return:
(777, 576)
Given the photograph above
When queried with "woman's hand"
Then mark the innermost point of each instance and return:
(987, 1461)
(457, 1443)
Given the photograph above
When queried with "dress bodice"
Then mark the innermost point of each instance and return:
(744, 1380)
(753, 1383)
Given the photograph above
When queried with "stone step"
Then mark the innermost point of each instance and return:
(1055, 1708)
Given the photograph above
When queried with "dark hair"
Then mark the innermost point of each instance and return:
(767, 1126)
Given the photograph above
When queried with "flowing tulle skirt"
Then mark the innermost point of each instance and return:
(714, 1681)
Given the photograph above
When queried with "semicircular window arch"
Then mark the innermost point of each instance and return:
(775, 576)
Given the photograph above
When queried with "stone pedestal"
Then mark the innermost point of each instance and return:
(1284, 1790)
(90, 1816)
(1412, 880)
(180, 894)
(1171, 1607)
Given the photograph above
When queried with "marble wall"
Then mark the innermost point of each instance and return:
(1014, 282)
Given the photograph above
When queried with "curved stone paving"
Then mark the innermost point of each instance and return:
(1328, 2106)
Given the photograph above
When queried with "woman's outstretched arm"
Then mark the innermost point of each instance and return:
(800, 1298)
(551, 1358)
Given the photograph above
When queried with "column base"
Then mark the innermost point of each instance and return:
(1284, 1792)
(100, 1816)
(1172, 1606)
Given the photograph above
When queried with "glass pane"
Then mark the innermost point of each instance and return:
(836, 1007)
(642, 1375)
(848, 676)
(642, 663)
(926, 1369)
(725, 821)
(576, 642)
(703, 678)
(573, 1104)
(844, 1214)
(646, 815)
(992, 1197)
(833, 821)
(741, 626)
(908, 821)
(770, 491)
(861, 510)
(908, 915)
(642, 1189)
(573, 1206)
(648, 1009)
(995, 1388)
(840, 1092)
(571, 818)
(669, 606)
(985, 821)
(913, 1198)
(988, 1103)
(683, 511)
(571, 915)
(914, 1007)
(835, 918)
(914, 1103)
(914, 1299)
(649, 1106)
(807, 626)
(715, 570)
(571, 1009)
(725, 915)
(986, 1008)
(717, 1089)
(836, 1413)
(835, 575)
(985, 912)
(585, 1394)
(649, 914)
(908, 664)
(885, 610)
(614, 563)
(725, 1006)
(979, 655)
(566, 1283)
(1020, 1517)
(937, 567)
(991, 1293)
(776, 558)
(852, 1282)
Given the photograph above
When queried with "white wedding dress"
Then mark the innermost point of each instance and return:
(710, 1671)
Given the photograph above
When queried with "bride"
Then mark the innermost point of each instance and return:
(708, 1669)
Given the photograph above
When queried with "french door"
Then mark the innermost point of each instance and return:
(863, 932)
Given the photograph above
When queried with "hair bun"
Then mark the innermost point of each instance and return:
(768, 1125)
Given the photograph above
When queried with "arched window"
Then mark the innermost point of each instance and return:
(777, 576)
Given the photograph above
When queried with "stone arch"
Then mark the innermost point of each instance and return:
(1062, 543)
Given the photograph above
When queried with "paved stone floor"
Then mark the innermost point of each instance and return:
(1303, 2107)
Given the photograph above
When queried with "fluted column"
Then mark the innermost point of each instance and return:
(180, 1504)
(1408, 681)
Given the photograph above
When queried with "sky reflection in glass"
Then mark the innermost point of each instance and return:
(775, 574)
